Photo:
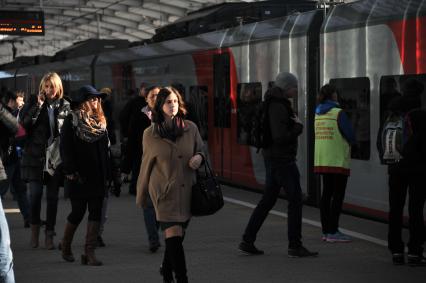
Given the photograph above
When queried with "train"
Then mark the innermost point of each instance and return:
(362, 47)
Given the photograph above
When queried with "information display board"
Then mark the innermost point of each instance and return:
(24, 23)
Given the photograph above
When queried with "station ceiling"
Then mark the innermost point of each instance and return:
(68, 21)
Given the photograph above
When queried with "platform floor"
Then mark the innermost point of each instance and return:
(211, 249)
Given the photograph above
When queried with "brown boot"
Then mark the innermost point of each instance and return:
(35, 232)
(66, 242)
(89, 258)
(49, 240)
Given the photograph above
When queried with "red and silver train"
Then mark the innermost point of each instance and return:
(362, 47)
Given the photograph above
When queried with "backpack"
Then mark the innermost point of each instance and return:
(395, 133)
(260, 134)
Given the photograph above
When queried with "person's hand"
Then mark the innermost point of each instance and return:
(40, 99)
(296, 119)
(195, 161)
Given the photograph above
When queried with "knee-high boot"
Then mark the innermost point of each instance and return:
(66, 242)
(35, 233)
(166, 268)
(176, 255)
(89, 258)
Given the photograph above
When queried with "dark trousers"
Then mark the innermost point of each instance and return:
(279, 174)
(36, 194)
(399, 183)
(79, 207)
(136, 166)
(333, 193)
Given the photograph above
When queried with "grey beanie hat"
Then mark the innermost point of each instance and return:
(285, 81)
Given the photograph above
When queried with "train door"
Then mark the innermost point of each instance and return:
(221, 115)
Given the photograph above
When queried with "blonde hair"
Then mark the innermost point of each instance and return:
(106, 90)
(55, 80)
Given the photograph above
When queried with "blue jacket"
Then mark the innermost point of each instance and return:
(343, 121)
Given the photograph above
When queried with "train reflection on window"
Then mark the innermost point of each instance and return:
(249, 98)
(391, 88)
(198, 103)
(354, 98)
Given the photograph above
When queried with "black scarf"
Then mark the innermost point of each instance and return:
(170, 130)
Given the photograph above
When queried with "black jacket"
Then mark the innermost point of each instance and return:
(138, 123)
(36, 123)
(130, 109)
(8, 128)
(89, 160)
(283, 130)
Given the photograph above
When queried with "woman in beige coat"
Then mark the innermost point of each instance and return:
(173, 151)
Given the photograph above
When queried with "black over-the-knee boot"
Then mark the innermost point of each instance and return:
(166, 268)
(176, 255)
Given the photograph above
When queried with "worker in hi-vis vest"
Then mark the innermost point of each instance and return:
(334, 136)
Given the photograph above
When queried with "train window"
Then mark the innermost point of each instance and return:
(249, 97)
(198, 104)
(392, 87)
(354, 97)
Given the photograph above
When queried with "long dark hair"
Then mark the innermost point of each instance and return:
(326, 93)
(157, 112)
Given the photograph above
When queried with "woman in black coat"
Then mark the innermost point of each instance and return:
(42, 119)
(84, 149)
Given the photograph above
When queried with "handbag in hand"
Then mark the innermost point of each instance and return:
(207, 195)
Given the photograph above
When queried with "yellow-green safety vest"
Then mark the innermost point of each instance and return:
(332, 151)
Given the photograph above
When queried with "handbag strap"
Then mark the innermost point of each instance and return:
(207, 169)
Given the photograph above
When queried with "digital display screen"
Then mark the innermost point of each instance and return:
(22, 22)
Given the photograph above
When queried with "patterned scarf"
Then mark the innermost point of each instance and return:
(170, 130)
(87, 127)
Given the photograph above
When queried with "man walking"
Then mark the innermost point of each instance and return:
(281, 170)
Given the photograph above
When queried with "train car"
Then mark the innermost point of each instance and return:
(361, 47)
(368, 49)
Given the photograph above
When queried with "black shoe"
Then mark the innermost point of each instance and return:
(416, 260)
(398, 258)
(100, 242)
(249, 249)
(153, 247)
(301, 252)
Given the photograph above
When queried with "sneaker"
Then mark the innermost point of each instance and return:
(398, 258)
(301, 252)
(249, 249)
(338, 237)
(416, 260)
(153, 247)
(324, 237)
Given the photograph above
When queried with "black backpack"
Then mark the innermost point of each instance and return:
(260, 136)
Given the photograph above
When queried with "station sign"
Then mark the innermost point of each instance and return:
(25, 23)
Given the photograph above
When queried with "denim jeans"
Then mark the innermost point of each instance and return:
(17, 187)
(36, 194)
(151, 223)
(279, 174)
(6, 257)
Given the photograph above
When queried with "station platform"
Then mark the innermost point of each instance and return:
(211, 248)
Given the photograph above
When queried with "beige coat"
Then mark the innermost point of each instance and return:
(166, 175)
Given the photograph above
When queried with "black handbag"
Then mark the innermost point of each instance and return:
(207, 195)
